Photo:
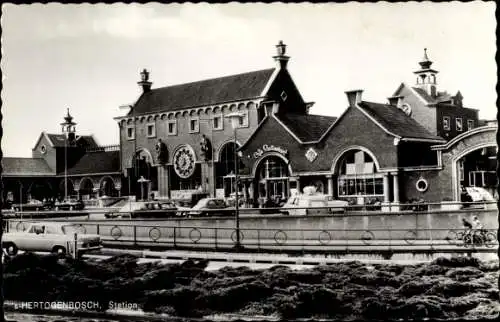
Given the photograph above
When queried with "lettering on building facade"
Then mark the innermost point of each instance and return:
(269, 148)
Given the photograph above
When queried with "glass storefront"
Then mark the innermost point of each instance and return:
(358, 178)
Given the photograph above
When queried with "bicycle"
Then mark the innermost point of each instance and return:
(472, 237)
(475, 237)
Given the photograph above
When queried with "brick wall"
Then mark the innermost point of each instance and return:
(423, 114)
(217, 137)
(346, 133)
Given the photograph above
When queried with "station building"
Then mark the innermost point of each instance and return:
(420, 144)
(63, 165)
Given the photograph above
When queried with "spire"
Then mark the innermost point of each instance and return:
(68, 126)
(425, 63)
(68, 118)
(281, 58)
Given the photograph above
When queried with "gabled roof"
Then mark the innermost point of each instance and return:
(396, 122)
(441, 96)
(25, 167)
(86, 141)
(307, 127)
(202, 93)
(97, 162)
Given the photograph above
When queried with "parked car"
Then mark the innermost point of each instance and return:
(301, 205)
(146, 209)
(69, 204)
(34, 205)
(50, 237)
(155, 209)
(208, 207)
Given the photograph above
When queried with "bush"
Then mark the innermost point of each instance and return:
(235, 297)
(414, 288)
(457, 262)
(464, 273)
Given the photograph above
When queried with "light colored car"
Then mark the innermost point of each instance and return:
(301, 205)
(53, 237)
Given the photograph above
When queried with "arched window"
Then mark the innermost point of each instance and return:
(272, 176)
(273, 168)
(225, 166)
(358, 176)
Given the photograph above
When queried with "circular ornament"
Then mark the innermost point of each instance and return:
(184, 162)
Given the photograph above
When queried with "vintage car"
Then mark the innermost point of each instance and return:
(210, 207)
(69, 204)
(33, 205)
(146, 209)
(53, 237)
(301, 205)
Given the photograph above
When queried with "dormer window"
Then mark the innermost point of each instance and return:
(459, 124)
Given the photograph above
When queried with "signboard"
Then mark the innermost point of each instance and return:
(269, 148)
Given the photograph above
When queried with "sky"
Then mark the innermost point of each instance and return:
(88, 57)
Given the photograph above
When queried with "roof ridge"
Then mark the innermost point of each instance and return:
(212, 78)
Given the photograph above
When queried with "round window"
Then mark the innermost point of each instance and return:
(43, 149)
(422, 185)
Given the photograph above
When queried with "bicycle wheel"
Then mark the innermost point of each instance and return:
(468, 240)
(490, 239)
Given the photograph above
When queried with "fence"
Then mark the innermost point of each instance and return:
(305, 240)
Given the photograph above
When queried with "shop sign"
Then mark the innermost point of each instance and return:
(269, 148)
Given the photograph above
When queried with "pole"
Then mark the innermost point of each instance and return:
(238, 242)
(21, 197)
(66, 167)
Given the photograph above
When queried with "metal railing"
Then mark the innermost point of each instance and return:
(306, 240)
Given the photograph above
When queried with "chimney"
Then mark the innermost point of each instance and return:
(354, 97)
(145, 83)
(396, 101)
(280, 58)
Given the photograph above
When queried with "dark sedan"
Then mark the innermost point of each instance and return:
(211, 207)
(70, 204)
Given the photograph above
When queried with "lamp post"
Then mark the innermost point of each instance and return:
(68, 127)
(235, 118)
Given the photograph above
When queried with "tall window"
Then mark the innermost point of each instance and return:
(217, 123)
(470, 124)
(446, 123)
(151, 129)
(172, 127)
(130, 133)
(459, 124)
(358, 176)
(225, 166)
(194, 125)
(243, 119)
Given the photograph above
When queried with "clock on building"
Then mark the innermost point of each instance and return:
(184, 162)
(43, 149)
(406, 108)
